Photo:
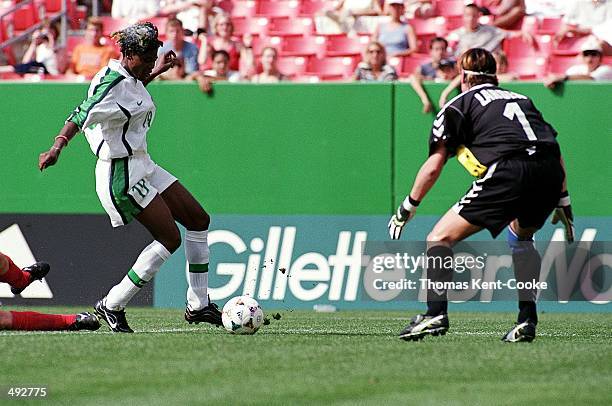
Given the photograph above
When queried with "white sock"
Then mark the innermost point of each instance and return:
(197, 254)
(146, 266)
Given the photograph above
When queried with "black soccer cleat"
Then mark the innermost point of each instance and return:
(521, 332)
(209, 314)
(114, 318)
(421, 325)
(37, 271)
(85, 321)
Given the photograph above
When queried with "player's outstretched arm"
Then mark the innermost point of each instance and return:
(426, 177)
(49, 158)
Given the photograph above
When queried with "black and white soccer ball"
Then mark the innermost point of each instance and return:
(242, 315)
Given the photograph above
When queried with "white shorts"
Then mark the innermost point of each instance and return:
(127, 185)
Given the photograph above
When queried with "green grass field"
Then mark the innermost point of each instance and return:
(314, 358)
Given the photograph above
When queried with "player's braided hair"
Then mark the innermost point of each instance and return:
(479, 66)
(137, 39)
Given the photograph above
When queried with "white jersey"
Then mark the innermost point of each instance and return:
(116, 115)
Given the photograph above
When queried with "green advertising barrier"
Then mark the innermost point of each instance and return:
(326, 159)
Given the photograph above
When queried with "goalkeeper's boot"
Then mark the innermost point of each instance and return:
(85, 321)
(421, 325)
(209, 314)
(114, 318)
(37, 271)
(521, 332)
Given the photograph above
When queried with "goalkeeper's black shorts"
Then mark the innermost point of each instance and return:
(526, 188)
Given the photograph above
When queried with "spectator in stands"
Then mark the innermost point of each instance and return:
(177, 72)
(437, 69)
(374, 66)
(503, 73)
(220, 71)
(475, 35)
(41, 53)
(508, 13)
(240, 52)
(270, 72)
(397, 36)
(344, 17)
(592, 67)
(90, 56)
(592, 17)
(135, 9)
(175, 41)
(419, 9)
(195, 14)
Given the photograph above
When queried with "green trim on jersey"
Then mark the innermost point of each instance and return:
(107, 82)
(198, 268)
(119, 182)
(136, 279)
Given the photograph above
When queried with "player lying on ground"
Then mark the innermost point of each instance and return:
(500, 137)
(19, 279)
(115, 118)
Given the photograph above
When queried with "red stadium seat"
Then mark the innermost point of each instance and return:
(331, 68)
(528, 67)
(292, 65)
(434, 25)
(559, 64)
(423, 42)
(310, 8)
(516, 47)
(549, 25)
(569, 46)
(113, 24)
(306, 46)
(290, 27)
(450, 7)
(25, 17)
(53, 6)
(346, 46)
(240, 8)
(411, 62)
(271, 9)
(253, 26)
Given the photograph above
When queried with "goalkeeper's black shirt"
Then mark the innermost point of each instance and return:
(493, 123)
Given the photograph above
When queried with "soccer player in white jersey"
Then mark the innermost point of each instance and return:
(115, 117)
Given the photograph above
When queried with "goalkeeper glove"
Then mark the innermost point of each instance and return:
(563, 213)
(404, 214)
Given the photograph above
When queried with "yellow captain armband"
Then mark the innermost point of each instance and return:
(469, 162)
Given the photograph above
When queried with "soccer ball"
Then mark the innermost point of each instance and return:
(242, 315)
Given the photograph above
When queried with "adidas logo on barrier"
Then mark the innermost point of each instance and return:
(14, 244)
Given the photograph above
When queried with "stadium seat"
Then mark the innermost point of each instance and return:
(528, 67)
(558, 64)
(423, 42)
(242, 8)
(113, 24)
(253, 26)
(516, 47)
(53, 6)
(259, 43)
(292, 65)
(453, 22)
(450, 7)
(25, 17)
(411, 62)
(346, 46)
(549, 25)
(306, 46)
(290, 27)
(331, 68)
(434, 25)
(272, 9)
(310, 8)
(569, 46)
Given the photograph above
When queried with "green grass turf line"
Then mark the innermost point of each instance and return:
(315, 358)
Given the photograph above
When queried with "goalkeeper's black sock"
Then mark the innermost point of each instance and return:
(527, 263)
(437, 257)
